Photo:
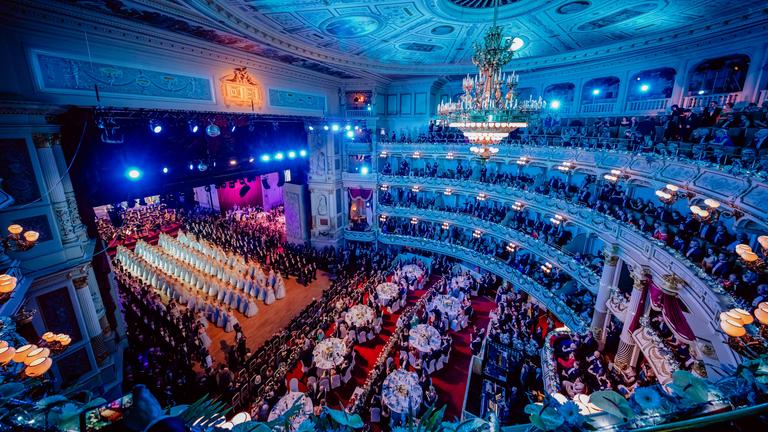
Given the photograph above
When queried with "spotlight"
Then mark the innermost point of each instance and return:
(347, 127)
(155, 126)
(311, 128)
(596, 92)
(232, 127)
(364, 170)
(212, 130)
(232, 162)
(133, 174)
(251, 159)
(644, 88)
(303, 153)
(191, 167)
(357, 127)
(350, 134)
(291, 154)
(368, 107)
(279, 156)
(701, 92)
(165, 170)
(334, 127)
(193, 127)
(202, 166)
(265, 158)
(555, 104)
(325, 127)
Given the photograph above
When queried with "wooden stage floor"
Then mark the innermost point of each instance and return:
(269, 319)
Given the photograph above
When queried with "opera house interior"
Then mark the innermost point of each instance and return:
(383, 215)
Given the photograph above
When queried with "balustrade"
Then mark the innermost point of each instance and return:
(646, 105)
(700, 101)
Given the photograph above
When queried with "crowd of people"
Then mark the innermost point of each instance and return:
(708, 244)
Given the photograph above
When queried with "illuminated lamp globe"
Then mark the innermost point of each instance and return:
(36, 354)
(763, 241)
(746, 318)
(3, 344)
(31, 236)
(6, 354)
(730, 315)
(732, 328)
(38, 367)
(761, 313)
(672, 188)
(749, 257)
(49, 336)
(712, 203)
(7, 283)
(212, 130)
(22, 352)
(741, 248)
(15, 229)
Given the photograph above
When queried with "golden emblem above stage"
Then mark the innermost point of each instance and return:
(242, 90)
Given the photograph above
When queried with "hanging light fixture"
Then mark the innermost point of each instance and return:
(489, 109)
(668, 194)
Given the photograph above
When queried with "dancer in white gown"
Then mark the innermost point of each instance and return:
(252, 310)
(269, 298)
(231, 321)
(280, 287)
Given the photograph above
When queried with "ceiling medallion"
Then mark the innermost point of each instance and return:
(489, 109)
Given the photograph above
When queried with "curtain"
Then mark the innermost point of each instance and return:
(359, 193)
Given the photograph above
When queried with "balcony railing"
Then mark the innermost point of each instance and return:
(705, 99)
(647, 105)
(598, 107)
(360, 113)
(549, 300)
(581, 273)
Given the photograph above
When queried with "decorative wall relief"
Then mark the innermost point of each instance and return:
(16, 171)
(240, 89)
(74, 75)
(292, 99)
(318, 166)
(37, 223)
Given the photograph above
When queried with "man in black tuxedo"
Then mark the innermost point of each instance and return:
(711, 114)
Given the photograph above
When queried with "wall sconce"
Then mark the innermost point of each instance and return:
(615, 175)
(20, 240)
(446, 225)
(708, 214)
(748, 257)
(383, 154)
(416, 154)
(565, 167)
(36, 359)
(482, 196)
(414, 221)
(383, 218)
(415, 188)
(477, 233)
(450, 155)
(522, 160)
(384, 187)
(546, 268)
(736, 323)
(7, 285)
(517, 206)
(448, 192)
(557, 220)
(670, 193)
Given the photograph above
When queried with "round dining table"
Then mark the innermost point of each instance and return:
(424, 338)
(329, 353)
(401, 392)
(359, 315)
(387, 292)
(448, 305)
(286, 402)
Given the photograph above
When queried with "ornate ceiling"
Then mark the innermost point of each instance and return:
(349, 38)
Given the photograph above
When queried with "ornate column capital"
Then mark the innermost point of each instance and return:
(80, 282)
(611, 254)
(640, 276)
(673, 284)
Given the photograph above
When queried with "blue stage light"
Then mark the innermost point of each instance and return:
(555, 104)
(155, 126)
(133, 174)
(334, 127)
(644, 88)
(165, 170)
(596, 92)
(364, 170)
(265, 158)
(701, 92)
(191, 167)
(350, 134)
(347, 127)
(279, 156)
(291, 154)
(303, 153)
(311, 128)
(325, 127)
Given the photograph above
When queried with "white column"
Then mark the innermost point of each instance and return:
(69, 191)
(87, 307)
(627, 344)
(54, 188)
(604, 292)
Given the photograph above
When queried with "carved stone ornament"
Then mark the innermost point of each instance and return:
(81, 282)
(239, 89)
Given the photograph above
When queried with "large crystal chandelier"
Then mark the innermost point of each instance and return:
(489, 109)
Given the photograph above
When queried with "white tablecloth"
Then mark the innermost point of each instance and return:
(387, 292)
(413, 270)
(401, 391)
(329, 353)
(287, 402)
(448, 305)
(359, 315)
(424, 338)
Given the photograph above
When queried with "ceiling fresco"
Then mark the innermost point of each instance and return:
(344, 38)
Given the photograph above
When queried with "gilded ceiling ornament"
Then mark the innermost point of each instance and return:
(240, 89)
